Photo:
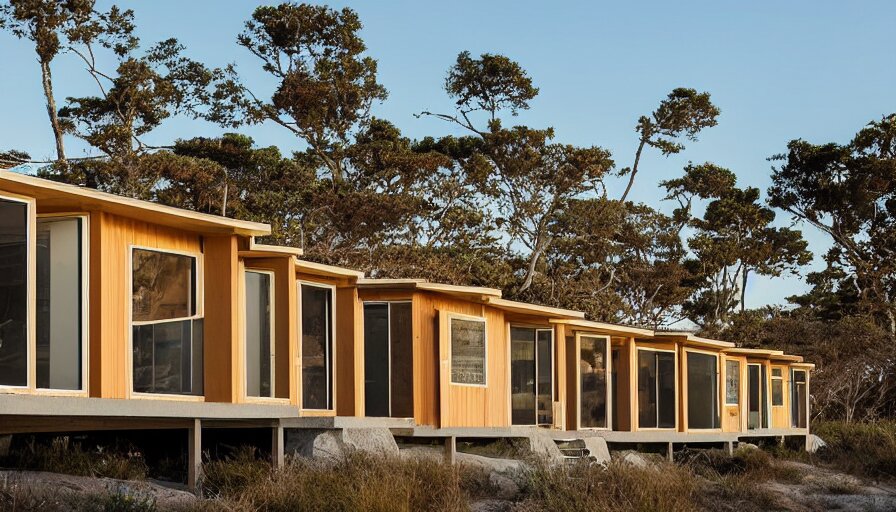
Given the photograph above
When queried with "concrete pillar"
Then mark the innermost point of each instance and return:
(194, 455)
(450, 449)
(277, 454)
(670, 453)
(730, 447)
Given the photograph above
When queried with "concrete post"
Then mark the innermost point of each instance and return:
(194, 455)
(730, 447)
(450, 449)
(670, 453)
(277, 454)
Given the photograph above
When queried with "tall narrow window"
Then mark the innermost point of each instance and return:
(13, 293)
(798, 401)
(388, 360)
(523, 398)
(656, 389)
(703, 391)
(259, 334)
(467, 339)
(60, 303)
(167, 327)
(317, 347)
(544, 355)
(777, 387)
(593, 381)
(732, 382)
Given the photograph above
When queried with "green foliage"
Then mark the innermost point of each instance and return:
(865, 449)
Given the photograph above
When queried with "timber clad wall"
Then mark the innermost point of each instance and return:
(225, 249)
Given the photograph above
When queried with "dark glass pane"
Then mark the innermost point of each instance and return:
(59, 303)
(401, 349)
(647, 399)
(798, 404)
(753, 408)
(545, 389)
(732, 382)
(258, 335)
(522, 376)
(593, 384)
(665, 366)
(764, 403)
(703, 411)
(777, 392)
(376, 360)
(13, 293)
(163, 286)
(317, 336)
(198, 357)
(166, 358)
(467, 351)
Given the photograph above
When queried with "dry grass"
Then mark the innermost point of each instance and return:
(61, 455)
(865, 449)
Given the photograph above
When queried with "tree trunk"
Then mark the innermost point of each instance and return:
(540, 246)
(631, 177)
(743, 290)
(47, 81)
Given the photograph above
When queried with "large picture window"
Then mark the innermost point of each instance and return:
(317, 347)
(732, 382)
(259, 334)
(60, 303)
(593, 403)
(468, 345)
(167, 329)
(703, 391)
(656, 389)
(13, 293)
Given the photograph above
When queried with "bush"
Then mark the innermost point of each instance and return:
(866, 449)
(618, 486)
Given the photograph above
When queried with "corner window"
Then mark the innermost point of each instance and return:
(167, 331)
(317, 346)
(777, 387)
(60, 303)
(467, 344)
(14, 283)
(732, 382)
(259, 334)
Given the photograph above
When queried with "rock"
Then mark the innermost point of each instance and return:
(378, 441)
(544, 447)
(814, 443)
(597, 446)
(747, 446)
(505, 488)
(491, 464)
(333, 445)
(634, 458)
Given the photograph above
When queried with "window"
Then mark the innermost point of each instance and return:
(259, 334)
(656, 389)
(703, 391)
(593, 381)
(60, 303)
(798, 401)
(13, 293)
(317, 347)
(732, 382)
(167, 331)
(388, 360)
(531, 376)
(777, 387)
(467, 351)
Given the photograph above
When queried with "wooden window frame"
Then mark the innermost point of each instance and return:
(330, 358)
(273, 340)
(30, 386)
(719, 399)
(637, 412)
(458, 316)
(608, 368)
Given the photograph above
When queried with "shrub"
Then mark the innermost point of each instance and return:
(867, 449)
(62, 455)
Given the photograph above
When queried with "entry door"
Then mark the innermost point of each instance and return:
(594, 396)
(531, 376)
(757, 399)
(798, 400)
(388, 360)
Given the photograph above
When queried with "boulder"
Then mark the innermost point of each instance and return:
(597, 447)
(378, 441)
(543, 446)
(633, 458)
(333, 444)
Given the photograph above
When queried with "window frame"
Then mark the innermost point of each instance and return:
(85, 305)
(771, 388)
(637, 412)
(331, 357)
(458, 316)
(30, 386)
(536, 329)
(727, 403)
(273, 341)
(718, 397)
(607, 368)
(199, 314)
(388, 304)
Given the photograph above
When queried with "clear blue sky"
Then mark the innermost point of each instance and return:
(817, 70)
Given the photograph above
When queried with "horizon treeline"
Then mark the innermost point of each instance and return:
(503, 205)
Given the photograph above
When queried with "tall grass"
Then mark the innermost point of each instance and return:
(866, 449)
(62, 455)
